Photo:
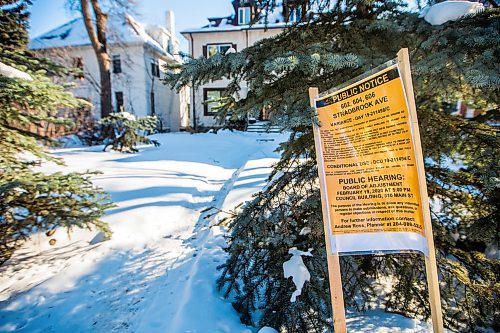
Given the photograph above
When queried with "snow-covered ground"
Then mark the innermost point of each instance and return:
(158, 272)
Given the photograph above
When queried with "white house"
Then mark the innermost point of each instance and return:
(138, 53)
(234, 33)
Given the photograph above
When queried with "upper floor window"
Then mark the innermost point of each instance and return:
(155, 67)
(213, 49)
(170, 46)
(244, 15)
(295, 15)
(117, 64)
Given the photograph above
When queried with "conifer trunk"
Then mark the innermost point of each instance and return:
(97, 37)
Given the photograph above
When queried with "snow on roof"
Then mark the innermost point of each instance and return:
(8, 71)
(74, 33)
(140, 30)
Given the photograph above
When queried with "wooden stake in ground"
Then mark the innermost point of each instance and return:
(335, 279)
(430, 261)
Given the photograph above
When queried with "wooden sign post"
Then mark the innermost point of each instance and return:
(372, 178)
(430, 260)
(334, 277)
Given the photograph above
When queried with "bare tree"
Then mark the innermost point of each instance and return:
(97, 36)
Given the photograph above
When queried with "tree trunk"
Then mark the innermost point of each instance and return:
(106, 100)
(97, 37)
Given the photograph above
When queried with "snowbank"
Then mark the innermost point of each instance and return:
(297, 270)
(158, 272)
(443, 12)
(267, 330)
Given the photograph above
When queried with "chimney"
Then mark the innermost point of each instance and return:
(170, 21)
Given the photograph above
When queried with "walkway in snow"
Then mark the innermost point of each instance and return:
(157, 274)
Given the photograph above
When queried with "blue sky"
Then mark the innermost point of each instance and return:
(49, 14)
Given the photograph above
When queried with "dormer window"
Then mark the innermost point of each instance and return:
(244, 15)
(295, 15)
(155, 67)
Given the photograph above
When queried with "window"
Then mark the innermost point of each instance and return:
(117, 64)
(170, 46)
(119, 101)
(152, 101)
(244, 15)
(211, 97)
(295, 15)
(213, 49)
(78, 64)
(155, 67)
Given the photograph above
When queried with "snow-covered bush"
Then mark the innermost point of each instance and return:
(124, 131)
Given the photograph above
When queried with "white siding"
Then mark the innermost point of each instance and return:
(170, 106)
(135, 81)
(130, 81)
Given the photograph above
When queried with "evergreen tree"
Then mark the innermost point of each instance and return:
(32, 201)
(14, 22)
(344, 39)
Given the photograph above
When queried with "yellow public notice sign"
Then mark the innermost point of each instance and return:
(369, 166)
(372, 177)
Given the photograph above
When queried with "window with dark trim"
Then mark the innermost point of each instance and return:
(295, 15)
(210, 50)
(212, 100)
(117, 64)
(155, 67)
(119, 101)
(244, 15)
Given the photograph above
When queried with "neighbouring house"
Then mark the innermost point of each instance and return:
(138, 53)
(488, 116)
(232, 33)
(466, 112)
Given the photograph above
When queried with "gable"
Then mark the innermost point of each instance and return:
(126, 30)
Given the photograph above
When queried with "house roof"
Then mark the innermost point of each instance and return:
(125, 31)
(273, 20)
(8, 71)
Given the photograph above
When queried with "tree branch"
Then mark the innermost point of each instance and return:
(101, 20)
